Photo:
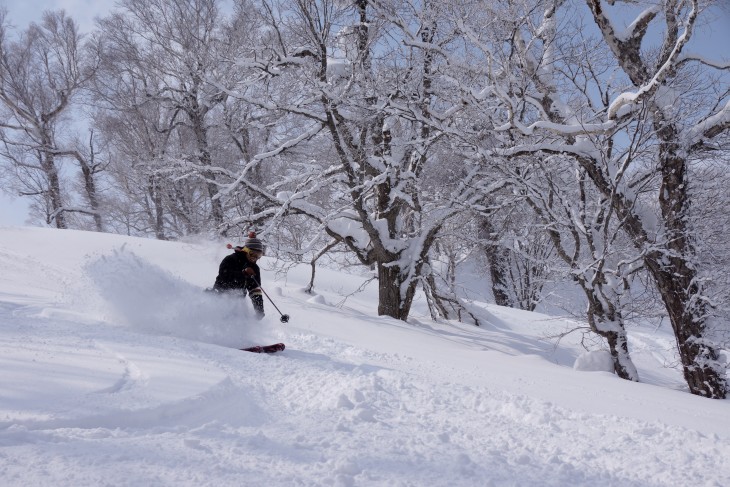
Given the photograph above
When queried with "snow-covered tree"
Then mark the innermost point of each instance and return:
(583, 230)
(91, 163)
(42, 72)
(634, 117)
(369, 99)
(172, 54)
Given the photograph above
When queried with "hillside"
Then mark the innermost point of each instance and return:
(119, 370)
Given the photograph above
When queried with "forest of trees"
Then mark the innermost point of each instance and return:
(574, 141)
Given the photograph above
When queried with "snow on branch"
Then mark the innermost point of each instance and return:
(579, 149)
(703, 60)
(637, 28)
(558, 128)
(649, 89)
(306, 135)
(711, 126)
(614, 41)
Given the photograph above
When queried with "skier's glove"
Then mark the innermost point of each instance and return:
(249, 271)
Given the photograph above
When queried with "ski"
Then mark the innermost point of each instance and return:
(276, 347)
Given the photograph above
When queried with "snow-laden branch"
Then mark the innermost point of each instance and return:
(582, 148)
(692, 57)
(559, 129)
(637, 28)
(710, 126)
(651, 87)
(613, 40)
(306, 135)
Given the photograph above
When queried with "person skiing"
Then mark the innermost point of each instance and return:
(239, 273)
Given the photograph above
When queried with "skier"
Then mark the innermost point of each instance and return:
(239, 273)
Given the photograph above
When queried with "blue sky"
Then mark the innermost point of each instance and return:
(712, 40)
(22, 12)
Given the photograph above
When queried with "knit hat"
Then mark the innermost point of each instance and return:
(252, 243)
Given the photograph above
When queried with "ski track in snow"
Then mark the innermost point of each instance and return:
(152, 398)
(272, 419)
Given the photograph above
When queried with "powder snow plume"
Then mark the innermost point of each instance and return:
(150, 299)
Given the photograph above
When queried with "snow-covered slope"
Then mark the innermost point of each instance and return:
(117, 369)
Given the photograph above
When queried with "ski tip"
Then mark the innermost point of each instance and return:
(276, 347)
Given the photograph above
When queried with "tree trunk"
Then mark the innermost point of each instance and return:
(90, 188)
(609, 324)
(201, 137)
(676, 276)
(158, 219)
(498, 275)
(688, 313)
(497, 265)
(622, 363)
(391, 301)
(54, 191)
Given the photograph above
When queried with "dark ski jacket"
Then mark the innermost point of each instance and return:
(231, 275)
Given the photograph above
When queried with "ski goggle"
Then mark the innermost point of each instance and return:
(254, 254)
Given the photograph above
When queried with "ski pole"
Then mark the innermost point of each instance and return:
(284, 318)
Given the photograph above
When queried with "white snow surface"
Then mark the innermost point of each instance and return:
(119, 370)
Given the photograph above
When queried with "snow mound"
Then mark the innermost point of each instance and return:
(594, 361)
